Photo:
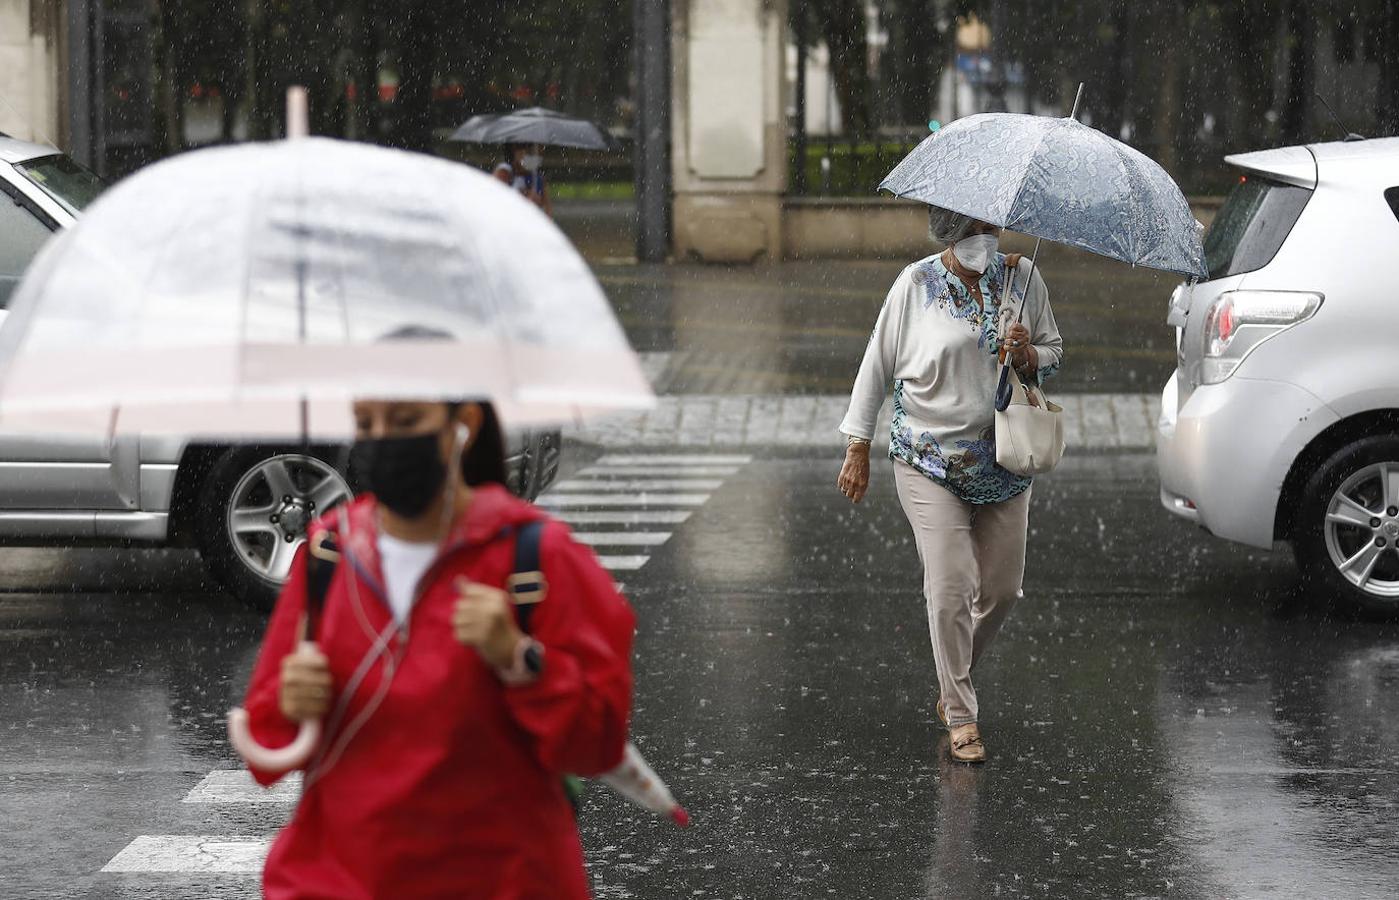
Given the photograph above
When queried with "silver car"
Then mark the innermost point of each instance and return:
(1281, 422)
(245, 508)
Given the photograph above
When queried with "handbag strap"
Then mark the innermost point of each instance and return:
(1012, 263)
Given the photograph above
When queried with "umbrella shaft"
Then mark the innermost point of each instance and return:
(1029, 282)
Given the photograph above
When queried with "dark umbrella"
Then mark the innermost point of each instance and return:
(535, 125)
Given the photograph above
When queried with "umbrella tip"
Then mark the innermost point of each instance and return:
(298, 114)
(680, 817)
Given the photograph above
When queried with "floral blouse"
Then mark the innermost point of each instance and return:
(938, 347)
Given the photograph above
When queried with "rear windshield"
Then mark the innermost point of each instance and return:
(63, 180)
(1252, 224)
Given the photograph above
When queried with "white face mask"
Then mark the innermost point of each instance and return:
(532, 161)
(976, 252)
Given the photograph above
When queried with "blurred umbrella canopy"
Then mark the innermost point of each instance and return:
(253, 291)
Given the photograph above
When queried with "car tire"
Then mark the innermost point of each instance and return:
(253, 508)
(1349, 516)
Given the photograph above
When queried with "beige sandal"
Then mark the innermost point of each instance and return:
(967, 745)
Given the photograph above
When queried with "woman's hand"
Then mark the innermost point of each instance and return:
(854, 477)
(483, 618)
(305, 687)
(1017, 344)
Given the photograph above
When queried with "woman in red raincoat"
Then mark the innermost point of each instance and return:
(447, 729)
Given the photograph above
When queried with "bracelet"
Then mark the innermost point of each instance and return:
(851, 440)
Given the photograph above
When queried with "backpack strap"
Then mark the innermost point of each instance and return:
(526, 584)
(322, 556)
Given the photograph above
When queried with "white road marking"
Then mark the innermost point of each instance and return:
(193, 853)
(622, 563)
(622, 538)
(238, 786)
(671, 471)
(550, 500)
(654, 459)
(624, 517)
(642, 484)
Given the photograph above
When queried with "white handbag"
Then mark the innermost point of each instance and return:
(1029, 426)
(1030, 430)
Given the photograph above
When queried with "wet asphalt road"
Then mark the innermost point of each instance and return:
(1167, 715)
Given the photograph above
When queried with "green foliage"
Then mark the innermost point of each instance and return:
(440, 61)
(593, 190)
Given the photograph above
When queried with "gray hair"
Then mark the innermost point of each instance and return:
(946, 226)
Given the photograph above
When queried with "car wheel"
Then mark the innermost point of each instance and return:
(1347, 539)
(254, 508)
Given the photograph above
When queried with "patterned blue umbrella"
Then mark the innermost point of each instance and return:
(1056, 179)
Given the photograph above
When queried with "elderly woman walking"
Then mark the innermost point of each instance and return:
(938, 339)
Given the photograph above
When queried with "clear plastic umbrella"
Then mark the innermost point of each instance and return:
(248, 291)
(254, 291)
(638, 782)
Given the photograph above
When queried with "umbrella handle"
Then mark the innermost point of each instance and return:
(270, 759)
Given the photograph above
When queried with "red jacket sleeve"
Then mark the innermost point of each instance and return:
(578, 709)
(269, 726)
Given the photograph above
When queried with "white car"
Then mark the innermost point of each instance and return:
(1281, 422)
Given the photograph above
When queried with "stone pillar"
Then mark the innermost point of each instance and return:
(29, 76)
(728, 129)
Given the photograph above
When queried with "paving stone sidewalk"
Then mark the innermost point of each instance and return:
(1092, 422)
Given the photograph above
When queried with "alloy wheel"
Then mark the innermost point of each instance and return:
(1362, 529)
(272, 506)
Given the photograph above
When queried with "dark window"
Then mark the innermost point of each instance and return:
(21, 236)
(63, 180)
(1251, 226)
(1392, 195)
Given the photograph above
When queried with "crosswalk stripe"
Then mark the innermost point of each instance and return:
(622, 563)
(238, 786)
(623, 517)
(550, 500)
(642, 484)
(672, 471)
(662, 459)
(192, 853)
(622, 538)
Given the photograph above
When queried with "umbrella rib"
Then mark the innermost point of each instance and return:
(259, 194)
(477, 257)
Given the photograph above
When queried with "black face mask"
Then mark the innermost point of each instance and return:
(404, 473)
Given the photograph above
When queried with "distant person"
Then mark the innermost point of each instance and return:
(523, 169)
(937, 342)
(450, 715)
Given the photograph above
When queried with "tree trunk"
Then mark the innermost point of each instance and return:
(1252, 27)
(843, 27)
(366, 74)
(416, 67)
(1165, 130)
(1387, 90)
(921, 49)
(1300, 68)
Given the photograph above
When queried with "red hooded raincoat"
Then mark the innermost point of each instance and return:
(436, 779)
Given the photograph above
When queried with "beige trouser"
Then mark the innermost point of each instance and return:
(973, 559)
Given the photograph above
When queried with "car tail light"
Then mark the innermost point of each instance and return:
(1241, 320)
